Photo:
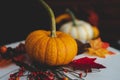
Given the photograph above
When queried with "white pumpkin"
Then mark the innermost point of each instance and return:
(83, 31)
(78, 29)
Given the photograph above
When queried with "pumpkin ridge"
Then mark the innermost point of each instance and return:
(60, 51)
(46, 50)
(32, 47)
(70, 29)
(47, 59)
(30, 41)
(65, 51)
(91, 36)
(87, 36)
(32, 34)
(57, 52)
(37, 50)
(73, 45)
(78, 36)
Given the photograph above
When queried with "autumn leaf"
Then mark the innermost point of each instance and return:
(85, 64)
(99, 48)
(5, 62)
(105, 45)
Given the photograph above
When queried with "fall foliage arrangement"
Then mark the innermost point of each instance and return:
(33, 70)
(49, 55)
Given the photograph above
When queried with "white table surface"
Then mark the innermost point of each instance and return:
(111, 72)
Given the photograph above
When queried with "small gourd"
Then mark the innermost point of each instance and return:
(79, 29)
(53, 47)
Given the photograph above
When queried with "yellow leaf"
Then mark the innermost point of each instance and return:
(97, 49)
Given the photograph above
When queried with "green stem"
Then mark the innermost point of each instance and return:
(72, 16)
(51, 14)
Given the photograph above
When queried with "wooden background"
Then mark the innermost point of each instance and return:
(19, 17)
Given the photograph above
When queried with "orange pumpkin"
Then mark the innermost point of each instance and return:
(51, 47)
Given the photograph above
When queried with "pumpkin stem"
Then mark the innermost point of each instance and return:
(52, 16)
(72, 16)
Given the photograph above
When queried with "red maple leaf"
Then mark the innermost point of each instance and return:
(86, 64)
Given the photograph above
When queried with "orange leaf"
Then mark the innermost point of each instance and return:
(5, 62)
(99, 48)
